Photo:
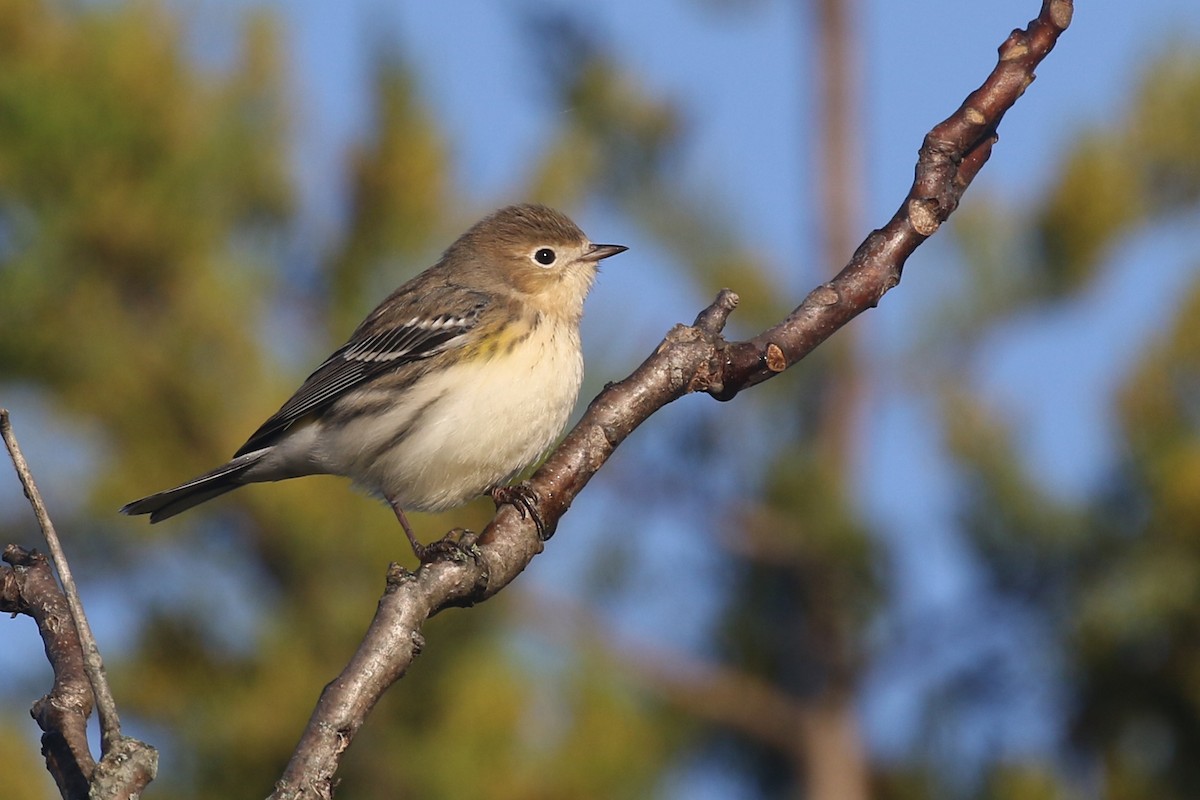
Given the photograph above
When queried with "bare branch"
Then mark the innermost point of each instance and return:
(950, 158)
(110, 723)
(28, 587)
(690, 359)
(127, 765)
(727, 697)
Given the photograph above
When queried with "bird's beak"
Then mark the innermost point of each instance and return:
(600, 251)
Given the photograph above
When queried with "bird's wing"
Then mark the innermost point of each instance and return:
(370, 352)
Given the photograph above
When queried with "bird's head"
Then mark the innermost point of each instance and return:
(536, 252)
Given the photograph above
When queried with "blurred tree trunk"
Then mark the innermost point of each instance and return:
(830, 748)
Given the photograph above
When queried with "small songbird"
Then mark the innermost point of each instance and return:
(457, 382)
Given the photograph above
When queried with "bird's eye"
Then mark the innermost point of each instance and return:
(544, 256)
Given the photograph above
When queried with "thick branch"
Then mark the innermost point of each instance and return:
(690, 359)
(28, 587)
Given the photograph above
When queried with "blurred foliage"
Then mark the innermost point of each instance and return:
(1114, 577)
(811, 575)
(1142, 166)
(124, 176)
(20, 751)
(398, 194)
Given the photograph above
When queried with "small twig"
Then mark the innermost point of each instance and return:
(126, 765)
(93, 665)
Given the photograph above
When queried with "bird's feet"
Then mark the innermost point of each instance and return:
(457, 545)
(524, 499)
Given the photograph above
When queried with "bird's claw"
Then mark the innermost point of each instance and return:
(456, 545)
(523, 498)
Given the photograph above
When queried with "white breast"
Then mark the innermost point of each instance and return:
(457, 433)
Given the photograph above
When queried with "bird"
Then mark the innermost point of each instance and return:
(449, 389)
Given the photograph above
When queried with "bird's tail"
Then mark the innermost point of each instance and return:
(224, 478)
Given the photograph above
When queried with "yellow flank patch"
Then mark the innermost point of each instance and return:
(504, 340)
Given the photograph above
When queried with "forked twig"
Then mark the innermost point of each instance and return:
(126, 765)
